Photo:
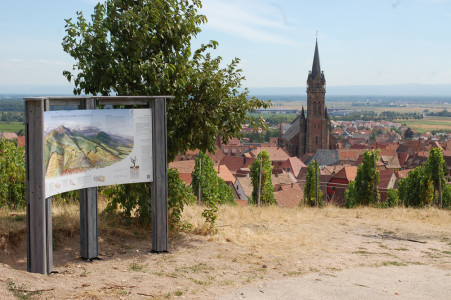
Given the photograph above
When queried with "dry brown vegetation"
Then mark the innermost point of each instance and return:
(252, 245)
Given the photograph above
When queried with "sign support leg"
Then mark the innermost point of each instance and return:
(39, 216)
(89, 235)
(159, 186)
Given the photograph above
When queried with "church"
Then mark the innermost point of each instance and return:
(310, 130)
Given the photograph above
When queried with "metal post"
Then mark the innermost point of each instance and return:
(89, 241)
(159, 186)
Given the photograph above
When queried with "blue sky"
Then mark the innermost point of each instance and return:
(361, 42)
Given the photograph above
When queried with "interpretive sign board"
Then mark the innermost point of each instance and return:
(85, 148)
(90, 148)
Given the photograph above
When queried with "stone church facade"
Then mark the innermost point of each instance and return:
(310, 131)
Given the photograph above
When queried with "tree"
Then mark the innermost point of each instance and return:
(309, 188)
(416, 189)
(261, 171)
(409, 134)
(213, 190)
(144, 48)
(350, 197)
(392, 198)
(366, 182)
(435, 170)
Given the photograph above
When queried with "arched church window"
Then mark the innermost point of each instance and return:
(316, 140)
(314, 108)
(319, 108)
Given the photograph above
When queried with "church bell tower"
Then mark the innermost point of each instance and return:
(317, 135)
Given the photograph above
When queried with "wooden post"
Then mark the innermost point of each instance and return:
(316, 183)
(89, 234)
(159, 186)
(199, 190)
(39, 224)
(259, 191)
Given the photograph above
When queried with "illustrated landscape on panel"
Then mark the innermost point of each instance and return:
(68, 151)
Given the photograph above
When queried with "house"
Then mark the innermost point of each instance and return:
(185, 168)
(8, 135)
(246, 188)
(338, 184)
(387, 179)
(289, 196)
(237, 163)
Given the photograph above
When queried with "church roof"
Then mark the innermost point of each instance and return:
(316, 68)
(293, 130)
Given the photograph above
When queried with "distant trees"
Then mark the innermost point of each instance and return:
(261, 171)
(310, 193)
(443, 113)
(373, 116)
(364, 190)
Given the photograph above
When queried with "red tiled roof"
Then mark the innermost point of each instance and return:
(224, 173)
(296, 165)
(275, 154)
(234, 163)
(241, 202)
(185, 166)
(289, 196)
(186, 178)
(403, 173)
(384, 178)
(21, 141)
(348, 172)
(8, 135)
(402, 157)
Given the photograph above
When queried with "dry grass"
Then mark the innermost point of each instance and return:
(305, 229)
(253, 245)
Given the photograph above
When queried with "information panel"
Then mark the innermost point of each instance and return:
(89, 148)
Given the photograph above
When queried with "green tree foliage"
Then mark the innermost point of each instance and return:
(350, 195)
(130, 197)
(213, 190)
(12, 175)
(409, 134)
(416, 189)
(179, 195)
(309, 188)
(447, 197)
(144, 48)
(435, 170)
(392, 198)
(266, 188)
(366, 182)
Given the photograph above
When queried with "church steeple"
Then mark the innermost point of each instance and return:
(302, 113)
(316, 68)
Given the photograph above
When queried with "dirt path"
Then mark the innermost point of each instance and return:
(277, 250)
(410, 282)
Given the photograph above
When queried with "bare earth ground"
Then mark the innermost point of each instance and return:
(258, 253)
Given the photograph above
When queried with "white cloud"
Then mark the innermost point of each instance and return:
(250, 20)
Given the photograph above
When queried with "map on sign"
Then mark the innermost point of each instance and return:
(88, 148)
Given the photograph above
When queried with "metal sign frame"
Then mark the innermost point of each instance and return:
(39, 208)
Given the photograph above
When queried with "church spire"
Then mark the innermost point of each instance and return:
(316, 69)
(302, 113)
